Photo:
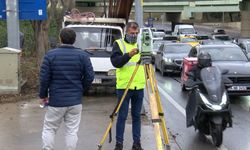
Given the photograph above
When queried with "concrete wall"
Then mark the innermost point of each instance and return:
(245, 23)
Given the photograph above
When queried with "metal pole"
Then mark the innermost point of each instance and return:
(223, 18)
(139, 12)
(12, 15)
(105, 9)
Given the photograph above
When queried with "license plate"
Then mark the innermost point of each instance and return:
(97, 81)
(237, 88)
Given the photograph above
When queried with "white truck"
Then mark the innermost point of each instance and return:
(184, 29)
(97, 39)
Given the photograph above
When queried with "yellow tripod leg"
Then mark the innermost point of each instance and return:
(117, 108)
(154, 109)
(156, 122)
(159, 106)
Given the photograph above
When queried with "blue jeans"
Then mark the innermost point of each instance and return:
(136, 97)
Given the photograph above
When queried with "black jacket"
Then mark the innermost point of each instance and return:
(65, 73)
(196, 73)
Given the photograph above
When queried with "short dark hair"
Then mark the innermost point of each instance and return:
(133, 25)
(67, 36)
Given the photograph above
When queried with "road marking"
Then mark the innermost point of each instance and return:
(172, 101)
(182, 110)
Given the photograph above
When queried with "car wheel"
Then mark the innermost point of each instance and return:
(162, 71)
(156, 69)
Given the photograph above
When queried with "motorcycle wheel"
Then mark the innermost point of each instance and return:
(217, 135)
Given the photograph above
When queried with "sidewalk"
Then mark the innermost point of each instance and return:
(21, 126)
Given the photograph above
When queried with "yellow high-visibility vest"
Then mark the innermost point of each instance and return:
(124, 73)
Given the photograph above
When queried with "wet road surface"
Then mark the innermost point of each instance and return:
(174, 103)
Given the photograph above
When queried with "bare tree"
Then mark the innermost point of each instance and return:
(55, 9)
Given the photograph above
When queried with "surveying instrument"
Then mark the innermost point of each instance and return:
(157, 115)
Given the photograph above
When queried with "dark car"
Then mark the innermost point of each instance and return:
(231, 58)
(156, 46)
(170, 56)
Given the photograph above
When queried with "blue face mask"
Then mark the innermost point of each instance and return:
(131, 38)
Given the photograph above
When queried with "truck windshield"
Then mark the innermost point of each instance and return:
(186, 31)
(96, 38)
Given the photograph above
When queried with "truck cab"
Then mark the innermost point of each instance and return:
(183, 30)
(97, 39)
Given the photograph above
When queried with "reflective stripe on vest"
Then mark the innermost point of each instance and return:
(124, 73)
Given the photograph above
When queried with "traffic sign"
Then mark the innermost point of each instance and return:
(28, 9)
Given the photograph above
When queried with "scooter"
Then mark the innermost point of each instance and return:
(212, 112)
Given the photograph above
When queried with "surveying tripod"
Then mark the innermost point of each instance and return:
(155, 106)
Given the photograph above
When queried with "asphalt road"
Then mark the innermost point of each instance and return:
(21, 123)
(174, 102)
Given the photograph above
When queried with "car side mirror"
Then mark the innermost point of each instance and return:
(158, 52)
(178, 33)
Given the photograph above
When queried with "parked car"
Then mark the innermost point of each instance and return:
(169, 57)
(231, 58)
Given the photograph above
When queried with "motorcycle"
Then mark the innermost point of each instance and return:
(208, 109)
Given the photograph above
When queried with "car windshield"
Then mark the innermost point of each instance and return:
(186, 31)
(177, 48)
(158, 34)
(225, 53)
(185, 40)
(223, 38)
(96, 38)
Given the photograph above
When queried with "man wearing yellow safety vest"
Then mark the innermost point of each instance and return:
(124, 57)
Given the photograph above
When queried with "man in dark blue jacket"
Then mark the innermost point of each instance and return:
(65, 73)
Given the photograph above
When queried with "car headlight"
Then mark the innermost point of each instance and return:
(154, 53)
(168, 60)
(111, 72)
(208, 104)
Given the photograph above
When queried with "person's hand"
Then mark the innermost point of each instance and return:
(44, 101)
(133, 52)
